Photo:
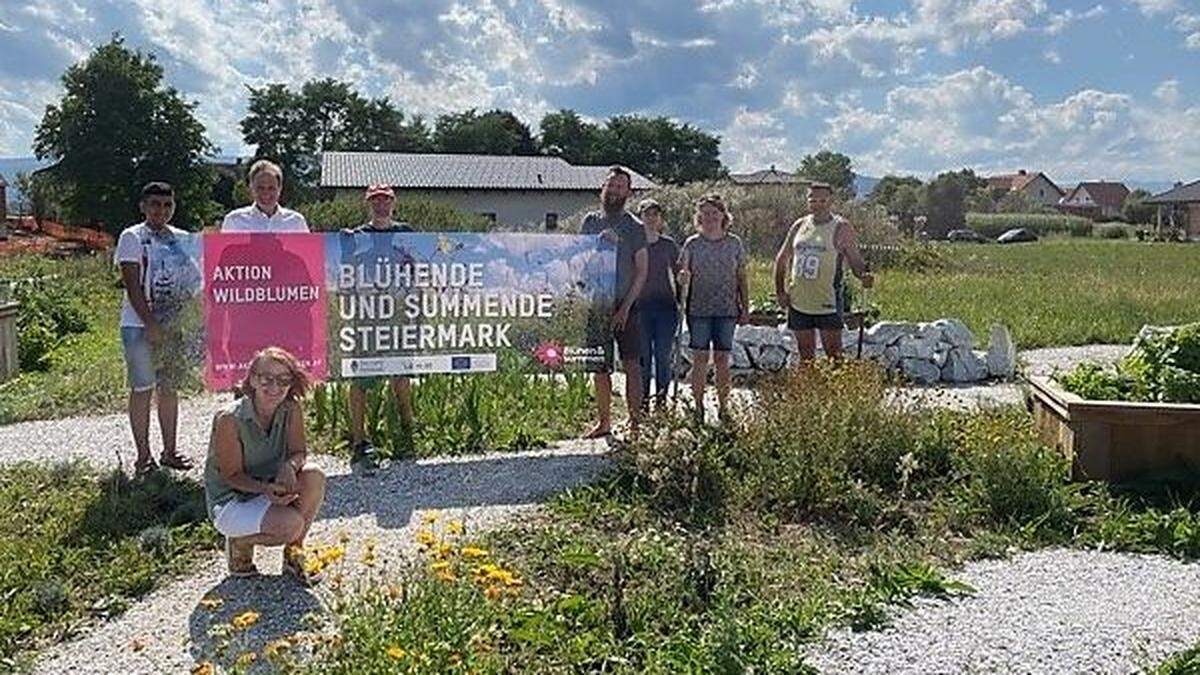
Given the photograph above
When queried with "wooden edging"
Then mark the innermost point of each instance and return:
(1074, 408)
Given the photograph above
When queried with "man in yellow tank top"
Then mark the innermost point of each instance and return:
(808, 274)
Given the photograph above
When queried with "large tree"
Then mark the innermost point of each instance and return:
(829, 167)
(945, 200)
(565, 134)
(118, 127)
(495, 132)
(295, 127)
(659, 147)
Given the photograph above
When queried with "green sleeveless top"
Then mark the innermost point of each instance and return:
(263, 451)
(816, 275)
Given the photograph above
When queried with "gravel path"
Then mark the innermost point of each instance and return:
(1048, 612)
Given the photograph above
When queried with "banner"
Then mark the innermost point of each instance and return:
(372, 304)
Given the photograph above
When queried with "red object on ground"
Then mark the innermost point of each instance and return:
(28, 236)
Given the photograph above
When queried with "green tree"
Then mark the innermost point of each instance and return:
(945, 200)
(830, 167)
(1136, 211)
(660, 148)
(887, 187)
(294, 128)
(495, 132)
(565, 134)
(906, 206)
(118, 127)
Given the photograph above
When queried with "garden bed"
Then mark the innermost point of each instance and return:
(1116, 440)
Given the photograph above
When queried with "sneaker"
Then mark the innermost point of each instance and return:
(240, 557)
(363, 459)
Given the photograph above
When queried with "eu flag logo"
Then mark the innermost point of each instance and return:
(460, 363)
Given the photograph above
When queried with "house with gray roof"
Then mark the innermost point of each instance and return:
(1180, 207)
(520, 192)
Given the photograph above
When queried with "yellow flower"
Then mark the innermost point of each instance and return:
(443, 550)
(204, 668)
(425, 537)
(368, 558)
(474, 552)
(274, 647)
(492, 592)
(332, 554)
(430, 518)
(440, 566)
(455, 527)
(211, 602)
(245, 619)
(313, 565)
(445, 575)
(396, 652)
(245, 659)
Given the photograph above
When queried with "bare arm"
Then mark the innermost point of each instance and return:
(297, 444)
(641, 263)
(783, 262)
(743, 295)
(847, 245)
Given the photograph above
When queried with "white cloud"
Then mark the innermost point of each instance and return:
(755, 140)
(1152, 7)
(1167, 92)
(1052, 56)
(1061, 21)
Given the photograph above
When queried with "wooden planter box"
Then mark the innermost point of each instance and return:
(8, 339)
(1116, 440)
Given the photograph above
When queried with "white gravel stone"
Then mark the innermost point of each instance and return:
(1052, 611)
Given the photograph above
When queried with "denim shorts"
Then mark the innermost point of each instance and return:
(711, 330)
(139, 362)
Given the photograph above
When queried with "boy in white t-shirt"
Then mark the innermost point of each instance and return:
(151, 241)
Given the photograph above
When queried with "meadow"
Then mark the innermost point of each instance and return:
(1055, 292)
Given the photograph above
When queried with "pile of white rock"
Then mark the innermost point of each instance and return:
(925, 353)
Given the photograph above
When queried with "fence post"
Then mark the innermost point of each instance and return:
(8, 339)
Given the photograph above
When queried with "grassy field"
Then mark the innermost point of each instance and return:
(1049, 293)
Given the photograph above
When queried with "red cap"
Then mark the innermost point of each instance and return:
(380, 189)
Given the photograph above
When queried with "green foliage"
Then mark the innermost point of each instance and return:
(1163, 366)
(1186, 662)
(830, 167)
(945, 198)
(423, 214)
(495, 132)
(994, 224)
(44, 318)
(1136, 211)
(461, 414)
(76, 546)
(658, 147)
(116, 128)
(1112, 231)
(293, 128)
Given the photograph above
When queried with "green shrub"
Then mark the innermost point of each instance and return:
(1112, 231)
(426, 215)
(49, 311)
(994, 224)
(1164, 366)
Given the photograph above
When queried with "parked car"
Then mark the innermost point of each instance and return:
(965, 235)
(1016, 235)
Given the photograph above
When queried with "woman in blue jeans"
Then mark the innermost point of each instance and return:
(714, 276)
(656, 307)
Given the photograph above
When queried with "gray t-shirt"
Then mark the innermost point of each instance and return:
(632, 239)
(714, 265)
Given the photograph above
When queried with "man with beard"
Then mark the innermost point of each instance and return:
(618, 227)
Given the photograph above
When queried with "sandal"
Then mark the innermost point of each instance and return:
(296, 563)
(173, 460)
(240, 557)
(144, 467)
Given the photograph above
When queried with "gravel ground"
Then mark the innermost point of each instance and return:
(1049, 612)
(168, 630)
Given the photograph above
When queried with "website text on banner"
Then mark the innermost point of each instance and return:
(378, 304)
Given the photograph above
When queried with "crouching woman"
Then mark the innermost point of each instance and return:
(259, 490)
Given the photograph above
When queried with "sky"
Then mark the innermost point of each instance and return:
(1080, 89)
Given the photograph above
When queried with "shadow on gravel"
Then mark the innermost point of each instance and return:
(281, 602)
(402, 487)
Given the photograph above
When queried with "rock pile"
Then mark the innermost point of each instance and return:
(925, 353)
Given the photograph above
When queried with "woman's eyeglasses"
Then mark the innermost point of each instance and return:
(276, 380)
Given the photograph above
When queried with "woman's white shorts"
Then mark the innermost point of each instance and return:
(237, 518)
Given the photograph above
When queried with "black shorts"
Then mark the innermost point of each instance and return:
(629, 340)
(800, 321)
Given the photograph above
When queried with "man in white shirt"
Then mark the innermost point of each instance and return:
(157, 275)
(265, 214)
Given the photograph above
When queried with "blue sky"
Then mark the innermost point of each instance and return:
(1078, 88)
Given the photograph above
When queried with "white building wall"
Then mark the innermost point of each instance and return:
(515, 209)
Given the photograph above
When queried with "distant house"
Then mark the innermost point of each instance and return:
(513, 191)
(1036, 186)
(1098, 200)
(1179, 206)
(771, 176)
